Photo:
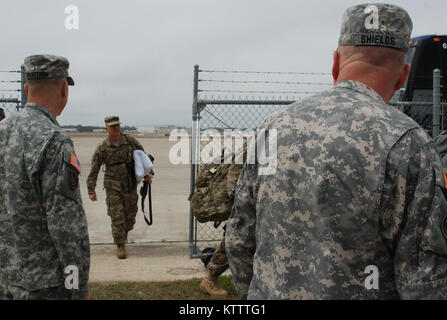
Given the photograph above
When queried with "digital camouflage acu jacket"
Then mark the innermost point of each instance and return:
(357, 184)
(43, 228)
(118, 160)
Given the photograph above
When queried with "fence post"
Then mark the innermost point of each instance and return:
(436, 102)
(24, 97)
(194, 146)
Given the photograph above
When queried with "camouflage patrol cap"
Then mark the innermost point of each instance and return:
(44, 66)
(379, 24)
(112, 120)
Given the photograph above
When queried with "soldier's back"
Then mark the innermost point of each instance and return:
(319, 208)
(28, 257)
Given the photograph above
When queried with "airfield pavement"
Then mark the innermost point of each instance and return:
(159, 252)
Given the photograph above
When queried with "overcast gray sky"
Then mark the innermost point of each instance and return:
(135, 58)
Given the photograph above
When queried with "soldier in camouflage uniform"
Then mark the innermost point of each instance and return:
(356, 207)
(218, 263)
(116, 152)
(43, 228)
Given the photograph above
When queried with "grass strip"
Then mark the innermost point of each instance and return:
(169, 290)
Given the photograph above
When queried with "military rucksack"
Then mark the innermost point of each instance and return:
(213, 196)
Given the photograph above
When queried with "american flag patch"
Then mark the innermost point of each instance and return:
(445, 178)
(74, 161)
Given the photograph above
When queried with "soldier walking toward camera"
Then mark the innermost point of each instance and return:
(356, 207)
(116, 152)
(43, 228)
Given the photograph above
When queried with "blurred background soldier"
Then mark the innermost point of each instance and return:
(43, 228)
(2, 114)
(356, 207)
(116, 152)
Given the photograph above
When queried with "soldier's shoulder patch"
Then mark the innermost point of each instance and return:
(74, 161)
(71, 171)
(444, 178)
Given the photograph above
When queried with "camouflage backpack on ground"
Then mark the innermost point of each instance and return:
(441, 143)
(213, 196)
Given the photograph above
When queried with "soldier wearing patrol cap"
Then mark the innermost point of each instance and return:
(356, 207)
(116, 152)
(43, 228)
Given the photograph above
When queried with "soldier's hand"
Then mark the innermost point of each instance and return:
(93, 197)
(148, 179)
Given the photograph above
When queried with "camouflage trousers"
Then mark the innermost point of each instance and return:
(122, 208)
(219, 262)
(18, 293)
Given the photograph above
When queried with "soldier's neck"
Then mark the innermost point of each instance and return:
(48, 103)
(115, 139)
(378, 78)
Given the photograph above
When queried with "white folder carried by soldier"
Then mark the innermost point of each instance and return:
(143, 166)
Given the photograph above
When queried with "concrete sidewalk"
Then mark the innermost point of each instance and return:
(145, 262)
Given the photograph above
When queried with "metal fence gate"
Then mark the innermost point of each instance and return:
(12, 82)
(240, 100)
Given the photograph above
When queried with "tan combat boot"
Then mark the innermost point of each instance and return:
(209, 285)
(121, 252)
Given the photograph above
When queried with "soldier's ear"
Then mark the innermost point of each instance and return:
(336, 66)
(64, 89)
(26, 88)
(402, 77)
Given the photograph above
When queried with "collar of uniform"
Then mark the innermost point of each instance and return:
(115, 144)
(42, 109)
(359, 87)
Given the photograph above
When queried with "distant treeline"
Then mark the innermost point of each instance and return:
(91, 128)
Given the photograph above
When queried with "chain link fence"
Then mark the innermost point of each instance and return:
(11, 91)
(238, 100)
(425, 103)
(241, 100)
